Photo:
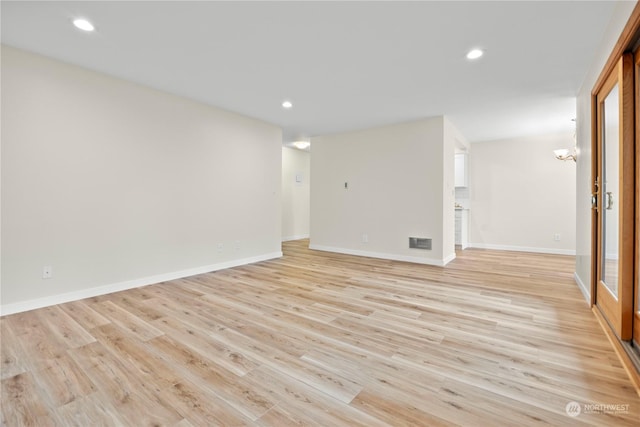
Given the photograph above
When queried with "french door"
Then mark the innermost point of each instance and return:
(614, 198)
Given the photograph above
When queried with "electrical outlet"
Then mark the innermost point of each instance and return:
(220, 247)
(47, 272)
(556, 237)
(365, 238)
(236, 245)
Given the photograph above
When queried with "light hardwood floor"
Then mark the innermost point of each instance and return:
(313, 338)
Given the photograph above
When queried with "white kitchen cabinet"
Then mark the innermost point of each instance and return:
(461, 170)
(462, 228)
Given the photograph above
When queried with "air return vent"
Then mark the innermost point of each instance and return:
(419, 243)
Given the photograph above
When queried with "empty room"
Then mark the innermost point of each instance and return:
(320, 213)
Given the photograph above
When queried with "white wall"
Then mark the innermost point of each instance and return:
(453, 141)
(583, 119)
(521, 195)
(395, 177)
(116, 185)
(296, 204)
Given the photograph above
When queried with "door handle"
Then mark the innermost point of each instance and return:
(594, 201)
(609, 200)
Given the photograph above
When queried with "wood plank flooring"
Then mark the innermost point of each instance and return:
(321, 339)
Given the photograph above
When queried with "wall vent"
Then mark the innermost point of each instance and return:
(419, 243)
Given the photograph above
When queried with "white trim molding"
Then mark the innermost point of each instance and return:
(523, 249)
(296, 237)
(381, 255)
(586, 293)
(448, 259)
(33, 304)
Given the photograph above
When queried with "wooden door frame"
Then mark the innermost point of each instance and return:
(627, 41)
(619, 310)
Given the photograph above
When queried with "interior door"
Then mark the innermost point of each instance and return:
(614, 192)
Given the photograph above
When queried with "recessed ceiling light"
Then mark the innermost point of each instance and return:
(475, 54)
(287, 104)
(83, 24)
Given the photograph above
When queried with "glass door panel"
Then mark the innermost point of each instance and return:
(609, 186)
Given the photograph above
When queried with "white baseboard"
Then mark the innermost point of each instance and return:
(448, 259)
(583, 288)
(523, 249)
(19, 307)
(394, 257)
(296, 237)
